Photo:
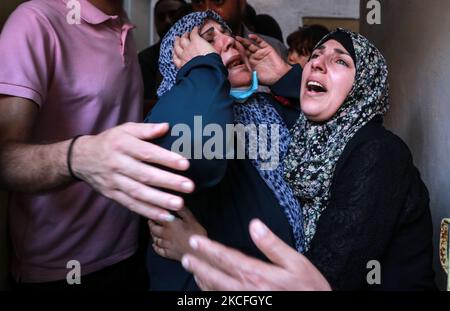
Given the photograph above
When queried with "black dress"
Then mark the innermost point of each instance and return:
(148, 61)
(378, 210)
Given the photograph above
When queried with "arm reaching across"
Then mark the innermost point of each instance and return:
(115, 162)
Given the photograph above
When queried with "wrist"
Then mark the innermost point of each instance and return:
(78, 155)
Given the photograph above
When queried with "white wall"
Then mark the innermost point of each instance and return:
(139, 13)
(413, 36)
(289, 13)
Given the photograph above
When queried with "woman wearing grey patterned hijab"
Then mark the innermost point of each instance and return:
(361, 195)
(319, 140)
(367, 223)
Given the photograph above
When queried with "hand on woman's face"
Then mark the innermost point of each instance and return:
(232, 53)
(189, 46)
(327, 80)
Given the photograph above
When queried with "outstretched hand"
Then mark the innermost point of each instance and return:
(122, 165)
(217, 267)
(188, 46)
(264, 59)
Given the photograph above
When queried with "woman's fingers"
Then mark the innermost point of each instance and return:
(177, 62)
(186, 213)
(160, 251)
(184, 40)
(207, 277)
(263, 44)
(194, 33)
(228, 260)
(163, 229)
(156, 230)
(248, 44)
(184, 43)
(177, 53)
(161, 243)
(154, 223)
(177, 49)
(272, 246)
(176, 41)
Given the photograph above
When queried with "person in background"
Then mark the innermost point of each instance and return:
(268, 26)
(302, 42)
(166, 13)
(233, 12)
(249, 19)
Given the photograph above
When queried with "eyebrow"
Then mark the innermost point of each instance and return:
(337, 50)
(222, 29)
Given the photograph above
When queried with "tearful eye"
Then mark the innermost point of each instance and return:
(341, 62)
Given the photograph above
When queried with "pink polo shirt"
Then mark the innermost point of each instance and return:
(85, 78)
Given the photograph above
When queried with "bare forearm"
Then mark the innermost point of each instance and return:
(34, 168)
(119, 163)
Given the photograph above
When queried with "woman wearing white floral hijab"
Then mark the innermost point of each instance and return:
(362, 198)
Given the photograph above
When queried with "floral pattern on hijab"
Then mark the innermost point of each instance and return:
(315, 148)
(257, 110)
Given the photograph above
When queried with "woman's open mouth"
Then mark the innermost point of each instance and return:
(315, 88)
(234, 62)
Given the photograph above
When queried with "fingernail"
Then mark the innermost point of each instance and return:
(187, 186)
(196, 280)
(167, 217)
(193, 243)
(259, 229)
(183, 163)
(176, 203)
(185, 262)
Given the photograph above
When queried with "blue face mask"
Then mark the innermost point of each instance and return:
(243, 94)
